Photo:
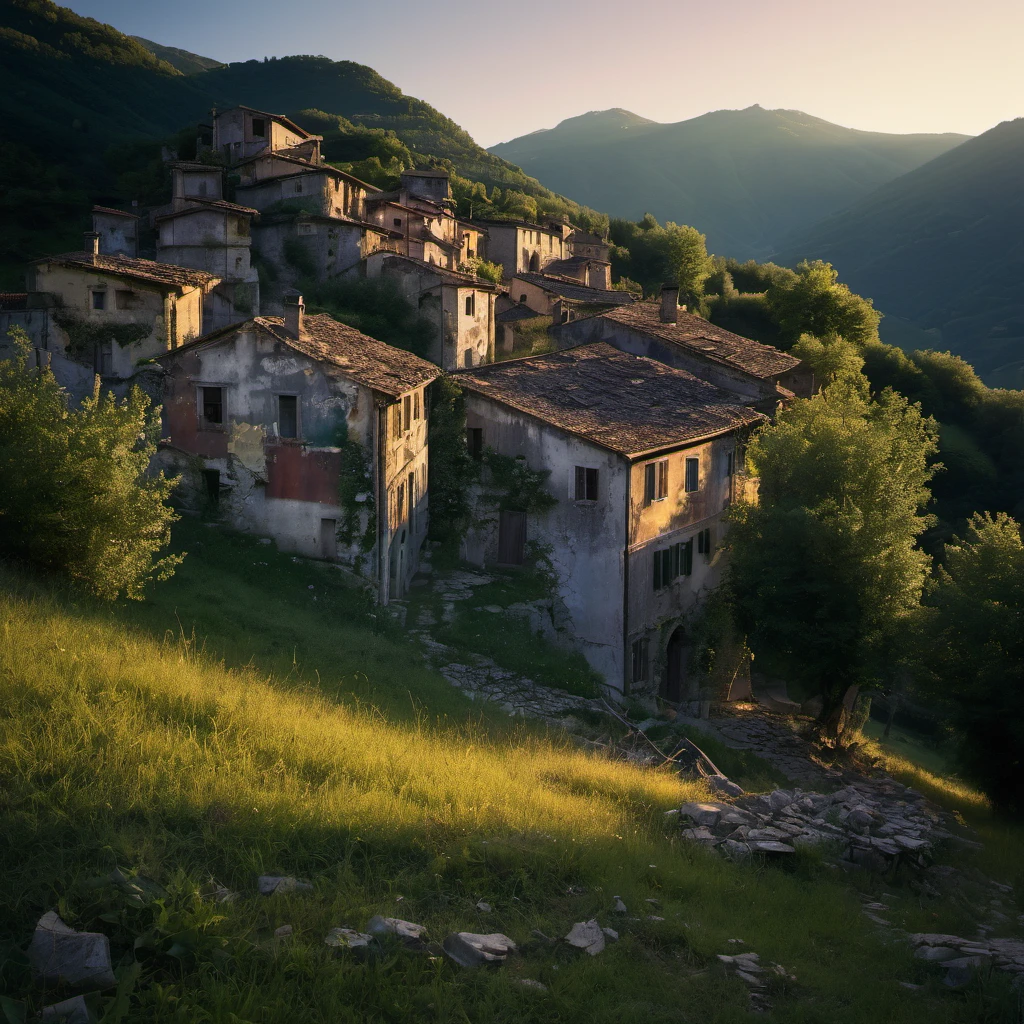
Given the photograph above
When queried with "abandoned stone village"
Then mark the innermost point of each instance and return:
(301, 429)
(633, 416)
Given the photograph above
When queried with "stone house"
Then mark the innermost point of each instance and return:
(760, 373)
(202, 231)
(518, 330)
(643, 460)
(562, 298)
(521, 247)
(118, 231)
(302, 429)
(149, 307)
(587, 244)
(244, 132)
(460, 306)
(584, 270)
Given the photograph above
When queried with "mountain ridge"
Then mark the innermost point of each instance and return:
(746, 178)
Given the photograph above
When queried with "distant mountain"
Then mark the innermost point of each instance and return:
(187, 63)
(943, 248)
(746, 178)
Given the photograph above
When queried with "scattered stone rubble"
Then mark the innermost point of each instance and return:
(471, 950)
(278, 885)
(60, 955)
(747, 967)
(960, 957)
(879, 824)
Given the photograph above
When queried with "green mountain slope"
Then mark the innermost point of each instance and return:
(184, 61)
(943, 248)
(90, 106)
(746, 178)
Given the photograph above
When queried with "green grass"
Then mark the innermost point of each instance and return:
(308, 738)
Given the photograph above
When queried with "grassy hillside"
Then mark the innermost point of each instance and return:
(183, 61)
(232, 725)
(943, 247)
(89, 106)
(746, 178)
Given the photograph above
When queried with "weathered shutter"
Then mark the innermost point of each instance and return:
(649, 471)
(688, 558)
(581, 483)
(591, 475)
(511, 538)
(657, 570)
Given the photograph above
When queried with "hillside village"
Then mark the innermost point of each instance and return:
(636, 412)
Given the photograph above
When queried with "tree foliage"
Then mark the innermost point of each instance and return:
(825, 566)
(977, 653)
(653, 254)
(829, 358)
(815, 302)
(75, 492)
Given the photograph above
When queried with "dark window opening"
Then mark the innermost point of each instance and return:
(730, 464)
(704, 542)
(416, 406)
(400, 501)
(522, 299)
(467, 358)
(398, 222)
(407, 412)
(213, 406)
(259, 127)
(412, 502)
(470, 305)
(211, 484)
(99, 300)
(692, 474)
(586, 484)
(104, 362)
(475, 442)
(641, 660)
(287, 416)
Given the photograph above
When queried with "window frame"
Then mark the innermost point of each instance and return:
(279, 419)
(694, 462)
(586, 485)
(655, 481)
(470, 304)
(201, 406)
(98, 299)
(475, 443)
(640, 651)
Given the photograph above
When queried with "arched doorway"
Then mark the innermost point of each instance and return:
(535, 263)
(674, 681)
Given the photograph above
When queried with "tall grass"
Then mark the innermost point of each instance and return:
(142, 749)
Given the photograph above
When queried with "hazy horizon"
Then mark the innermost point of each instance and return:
(896, 66)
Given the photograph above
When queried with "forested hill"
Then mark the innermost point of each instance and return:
(182, 60)
(85, 108)
(943, 247)
(746, 178)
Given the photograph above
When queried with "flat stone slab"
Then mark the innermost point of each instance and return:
(771, 847)
(69, 1011)
(704, 814)
(588, 936)
(468, 949)
(348, 938)
(58, 954)
(404, 930)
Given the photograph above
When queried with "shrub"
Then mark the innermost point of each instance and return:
(75, 495)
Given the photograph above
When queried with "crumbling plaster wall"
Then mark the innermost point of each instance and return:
(585, 541)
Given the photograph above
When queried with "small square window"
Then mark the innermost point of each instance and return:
(692, 474)
(398, 222)
(259, 127)
(212, 407)
(99, 300)
(287, 416)
(586, 484)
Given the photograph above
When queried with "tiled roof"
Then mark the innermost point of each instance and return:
(369, 362)
(574, 290)
(581, 237)
(571, 265)
(280, 118)
(704, 338)
(217, 205)
(516, 313)
(625, 403)
(110, 211)
(166, 274)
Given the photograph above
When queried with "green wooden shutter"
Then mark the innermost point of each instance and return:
(688, 558)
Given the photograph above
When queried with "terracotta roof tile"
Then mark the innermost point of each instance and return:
(625, 403)
(704, 338)
(166, 274)
(200, 205)
(110, 211)
(369, 362)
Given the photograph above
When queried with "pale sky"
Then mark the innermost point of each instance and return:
(504, 69)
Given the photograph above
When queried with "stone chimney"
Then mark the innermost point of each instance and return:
(294, 313)
(670, 303)
(92, 243)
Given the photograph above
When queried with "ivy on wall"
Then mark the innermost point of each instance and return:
(355, 493)
(84, 335)
(514, 486)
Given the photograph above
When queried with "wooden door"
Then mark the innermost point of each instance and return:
(511, 538)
